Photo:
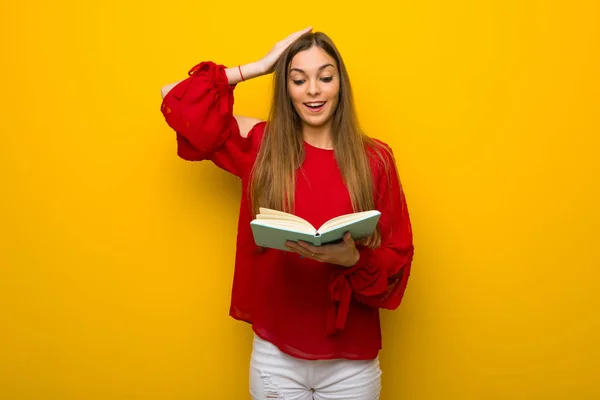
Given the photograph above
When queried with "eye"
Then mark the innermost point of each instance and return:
(327, 79)
(298, 81)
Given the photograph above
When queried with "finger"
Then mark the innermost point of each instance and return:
(310, 248)
(291, 38)
(300, 253)
(294, 246)
(299, 249)
(304, 252)
(348, 238)
(300, 32)
(303, 31)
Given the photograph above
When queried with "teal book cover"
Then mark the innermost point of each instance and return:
(273, 228)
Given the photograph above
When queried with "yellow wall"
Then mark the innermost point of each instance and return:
(116, 257)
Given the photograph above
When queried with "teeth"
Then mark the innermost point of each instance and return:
(315, 104)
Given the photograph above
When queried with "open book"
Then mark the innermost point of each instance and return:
(272, 228)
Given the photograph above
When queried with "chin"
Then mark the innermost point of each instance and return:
(313, 124)
(316, 122)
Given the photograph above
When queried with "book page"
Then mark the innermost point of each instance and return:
(346, 219)
(275, 215)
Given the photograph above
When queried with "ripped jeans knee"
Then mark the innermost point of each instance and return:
(264, 386)
(270, 388)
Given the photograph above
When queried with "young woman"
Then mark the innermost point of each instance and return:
(314, 310)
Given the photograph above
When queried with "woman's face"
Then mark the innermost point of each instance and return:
(314, 86)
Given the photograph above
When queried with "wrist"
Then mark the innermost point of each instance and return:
(251, 70)
(258, 68)
(244, 72)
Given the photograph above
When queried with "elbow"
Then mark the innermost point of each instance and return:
(167, 88)
(164, 91)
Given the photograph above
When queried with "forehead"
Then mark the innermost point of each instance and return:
(310, 60)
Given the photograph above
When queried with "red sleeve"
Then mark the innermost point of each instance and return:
(380, 277)
(200, 111)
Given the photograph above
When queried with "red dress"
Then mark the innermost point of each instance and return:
(308, 309)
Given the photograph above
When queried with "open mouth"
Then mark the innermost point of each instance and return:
(315, 106)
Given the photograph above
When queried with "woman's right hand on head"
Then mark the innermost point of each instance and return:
(268, 62)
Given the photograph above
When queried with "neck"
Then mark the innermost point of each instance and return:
(318, 136)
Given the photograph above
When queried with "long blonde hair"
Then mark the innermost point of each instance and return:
(272, 182)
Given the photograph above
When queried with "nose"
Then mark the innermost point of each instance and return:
(313, 87)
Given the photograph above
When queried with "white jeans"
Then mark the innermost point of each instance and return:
(276, 375)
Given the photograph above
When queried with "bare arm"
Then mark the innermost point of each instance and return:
(233, 75)
(249, 71)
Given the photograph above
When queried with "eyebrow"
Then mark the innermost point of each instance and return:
(320, 68)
